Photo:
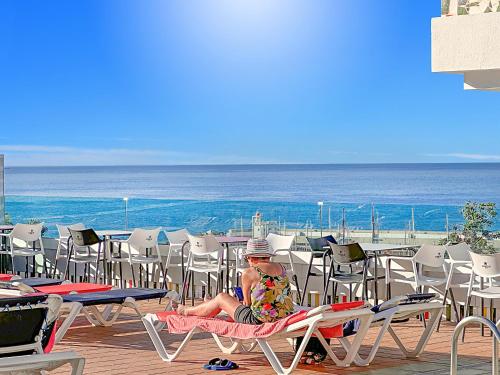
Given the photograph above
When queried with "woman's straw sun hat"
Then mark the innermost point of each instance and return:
(258, 248)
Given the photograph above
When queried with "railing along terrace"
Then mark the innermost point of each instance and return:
(464, 7)
(2, 190)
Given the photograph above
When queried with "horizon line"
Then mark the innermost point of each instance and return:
(244, 164)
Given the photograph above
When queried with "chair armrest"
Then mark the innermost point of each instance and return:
(409, 259)
(388, 266)
(460, 262)
(4, 234)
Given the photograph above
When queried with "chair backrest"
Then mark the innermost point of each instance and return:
(142, 239)
(280, 243)
(178, 237)
(430, 255)
(319, 244)
(27, 232)
(459, 252)
(348, 253)
(63, 229)
(485, 265)
(25, 322)
(84, 237)
(205, 245)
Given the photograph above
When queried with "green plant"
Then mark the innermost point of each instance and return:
(478, 219)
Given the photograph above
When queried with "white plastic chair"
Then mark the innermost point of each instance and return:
(22, 243)
(240, 263)
(430, 256)
(85, 249)
(142, 249)
(177, 242)
(458, 255)
(205, 256)
(63, 242)
(283, 244)
(486, 267)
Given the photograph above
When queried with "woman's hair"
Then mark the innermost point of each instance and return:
(257, 257)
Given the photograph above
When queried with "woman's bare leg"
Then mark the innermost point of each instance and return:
(210, 308)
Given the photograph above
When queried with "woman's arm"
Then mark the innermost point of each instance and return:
(247, 280)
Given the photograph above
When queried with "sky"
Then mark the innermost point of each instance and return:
(232, 82)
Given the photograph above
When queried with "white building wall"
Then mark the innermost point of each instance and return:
(465, 40)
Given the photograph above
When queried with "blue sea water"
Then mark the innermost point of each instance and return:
(218, 197)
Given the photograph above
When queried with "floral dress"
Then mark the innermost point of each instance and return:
(271, 297)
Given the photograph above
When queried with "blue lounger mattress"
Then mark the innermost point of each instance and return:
(116, 296)
(39, 281)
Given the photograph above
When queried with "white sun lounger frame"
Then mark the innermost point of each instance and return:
(102, 318)
(306, 328)
(386, 318)
(35, 363)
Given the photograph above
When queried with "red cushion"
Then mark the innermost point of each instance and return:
(64, 289)
(332, 332)
(347, 305)
(52, 340)
(338, 331)
(5, 277)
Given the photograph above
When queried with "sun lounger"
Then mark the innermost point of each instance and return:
(87, 297)
(397, 310)
(25, 323)
(30, 281)
(114, 299)
(72, 288)
(318, 322)
(5, 276)
(35, 363)
(38, 281)
(50, 286)
(16, 283)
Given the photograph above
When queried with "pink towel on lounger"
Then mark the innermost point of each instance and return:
(225, 328)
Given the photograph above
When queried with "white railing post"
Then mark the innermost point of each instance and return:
(458, 331)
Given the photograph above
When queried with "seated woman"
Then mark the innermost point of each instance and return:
(266, 291)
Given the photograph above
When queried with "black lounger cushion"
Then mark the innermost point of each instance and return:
(13, 301)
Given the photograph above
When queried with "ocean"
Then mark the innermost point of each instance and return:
(219, 197)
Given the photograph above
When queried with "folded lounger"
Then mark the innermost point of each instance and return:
(396, 310)
(319, 322)
(87, 303)
(26, 323)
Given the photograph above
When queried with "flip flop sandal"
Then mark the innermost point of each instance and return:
(212, 362)
(218, 364)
